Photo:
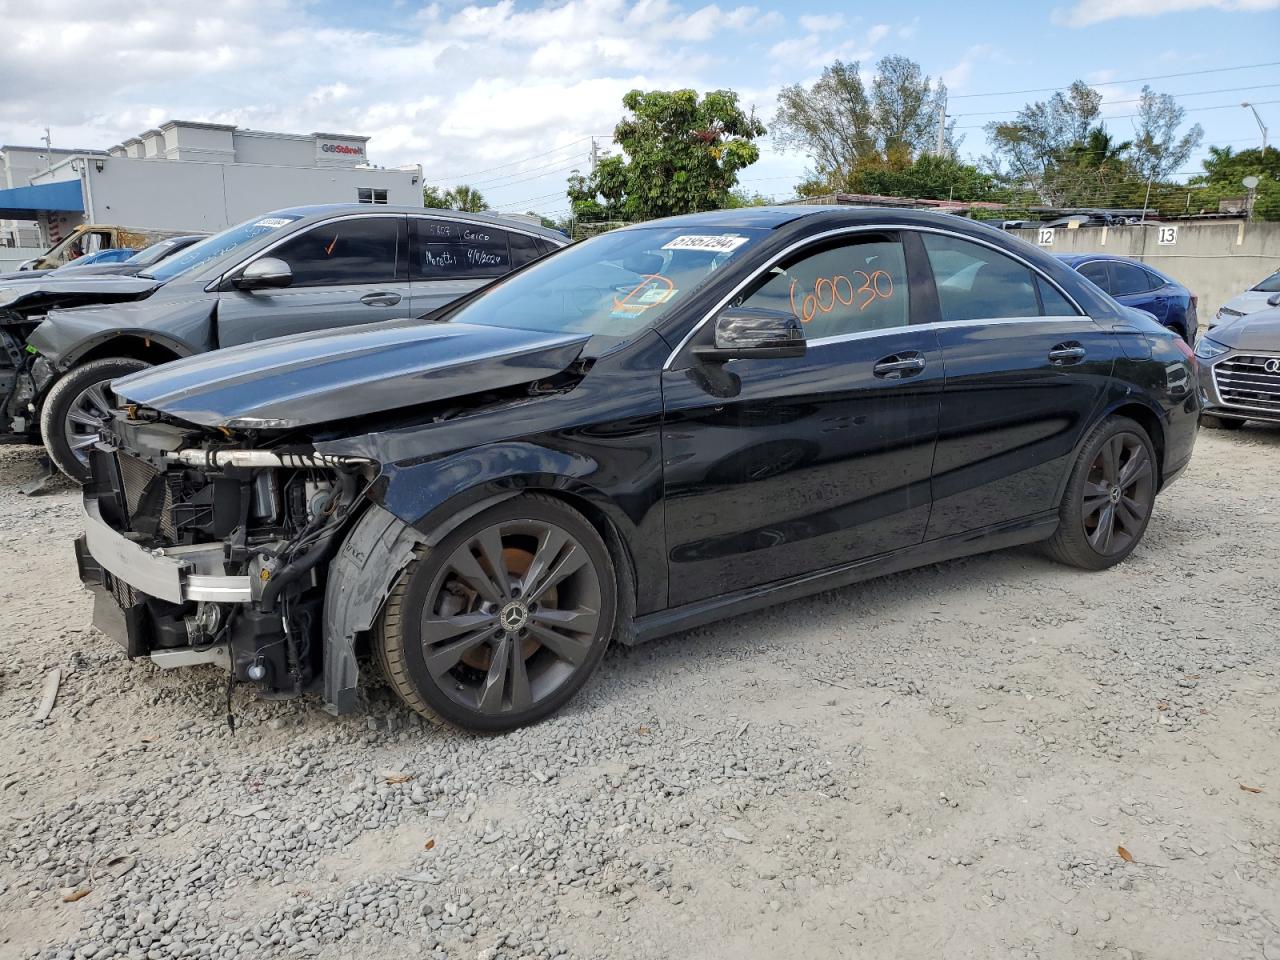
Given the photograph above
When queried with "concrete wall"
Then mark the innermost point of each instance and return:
(13, 257)
(1215, 261)
(193, 195)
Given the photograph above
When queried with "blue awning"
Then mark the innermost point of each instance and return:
(26, 203)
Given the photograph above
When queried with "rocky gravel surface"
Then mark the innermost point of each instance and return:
(996, 757)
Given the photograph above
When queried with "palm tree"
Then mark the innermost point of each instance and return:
(466, 198)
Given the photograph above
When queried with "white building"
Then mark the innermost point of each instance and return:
(188, 176)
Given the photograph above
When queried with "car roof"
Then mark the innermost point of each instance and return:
(318, 211)
(772, 217)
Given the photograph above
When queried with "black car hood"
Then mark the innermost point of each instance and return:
(51, 289)
(1254, 331)
(321, 377)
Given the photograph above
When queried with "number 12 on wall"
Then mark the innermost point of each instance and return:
(1046, 237)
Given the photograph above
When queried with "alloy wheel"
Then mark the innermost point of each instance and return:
(85, 416)
(511, 614)
(1118, 494)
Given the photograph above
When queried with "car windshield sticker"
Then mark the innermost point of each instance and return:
(653, 289)
(715, 244)
(273, 222)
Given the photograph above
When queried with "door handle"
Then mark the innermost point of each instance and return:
(1065, 353)
(380, 299)
(899, 366)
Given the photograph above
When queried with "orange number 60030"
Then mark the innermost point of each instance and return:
(828, 291)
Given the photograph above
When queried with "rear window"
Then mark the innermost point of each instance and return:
(1128, 279)
(458, 250)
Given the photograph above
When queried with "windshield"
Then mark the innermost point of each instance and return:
(219, 245)
(155, 253)
(1270, 285)
(613, 285)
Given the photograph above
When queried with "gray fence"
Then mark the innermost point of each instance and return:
(1215, 261)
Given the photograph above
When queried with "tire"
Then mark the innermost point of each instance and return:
(70, 406)
(490, 653)
(1098, 527)
(1221, 423)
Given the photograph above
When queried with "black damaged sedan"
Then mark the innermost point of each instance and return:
(662, 426)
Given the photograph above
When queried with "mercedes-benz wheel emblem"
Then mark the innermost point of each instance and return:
(1272, 365)
(514, 616)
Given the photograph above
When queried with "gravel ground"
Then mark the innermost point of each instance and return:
(1004, 758)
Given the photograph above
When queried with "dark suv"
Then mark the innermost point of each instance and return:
(294, 270)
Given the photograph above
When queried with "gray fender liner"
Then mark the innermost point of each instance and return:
(360, 577)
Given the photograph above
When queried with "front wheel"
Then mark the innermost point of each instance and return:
(1109, 497)
(75, 408)
(499, 624)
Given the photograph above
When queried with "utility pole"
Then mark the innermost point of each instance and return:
(595, 154)
(1261, 126)
(48, 142)
(942, 126)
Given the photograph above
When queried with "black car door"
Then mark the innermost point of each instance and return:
(778, 467)
(1026, 372)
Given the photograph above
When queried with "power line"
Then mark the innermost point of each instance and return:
(1130, 116)
(496, 182)
(512, 163)
(1111, 83)
(1197, 93)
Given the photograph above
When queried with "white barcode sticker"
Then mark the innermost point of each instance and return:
(712, 244)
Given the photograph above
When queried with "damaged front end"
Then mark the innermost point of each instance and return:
(199, 549)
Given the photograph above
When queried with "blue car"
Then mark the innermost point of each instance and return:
(1136, 284)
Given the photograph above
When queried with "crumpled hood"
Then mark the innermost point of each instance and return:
(53, 289)
(325, 376)
(1256, 331)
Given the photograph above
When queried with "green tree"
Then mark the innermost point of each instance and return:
(466, 198)
(742, 197)
(460, 197)
(682, 154)
(929, 178)
(545, 221)
(1224, 169)
(1157, 150)
(843, 126)
(1030, 149)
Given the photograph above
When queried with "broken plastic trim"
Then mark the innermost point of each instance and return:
(213, 459)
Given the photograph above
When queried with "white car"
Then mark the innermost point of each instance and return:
(1258, 297)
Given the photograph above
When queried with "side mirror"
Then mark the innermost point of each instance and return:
(1273, 300)
(264, 273)
(743, 333)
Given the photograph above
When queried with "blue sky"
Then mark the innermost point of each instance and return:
(505, 95)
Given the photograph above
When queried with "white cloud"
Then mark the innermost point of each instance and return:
(458, 86)
(821, 22)
(957, 76)
(1088, 12)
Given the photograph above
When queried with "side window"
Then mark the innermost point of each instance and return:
(1154, 280)
(978, 283)
(523, 248)
(343, 252)
(1054, 303)
(458, 250)
(1096, 271)
(1127, 279)
(850, 287)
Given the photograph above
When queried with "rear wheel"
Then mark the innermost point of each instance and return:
(504, 620)
(1221, 423)
(75, 408)
(1109, 497)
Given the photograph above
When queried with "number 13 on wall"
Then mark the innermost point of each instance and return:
(1167, 236)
